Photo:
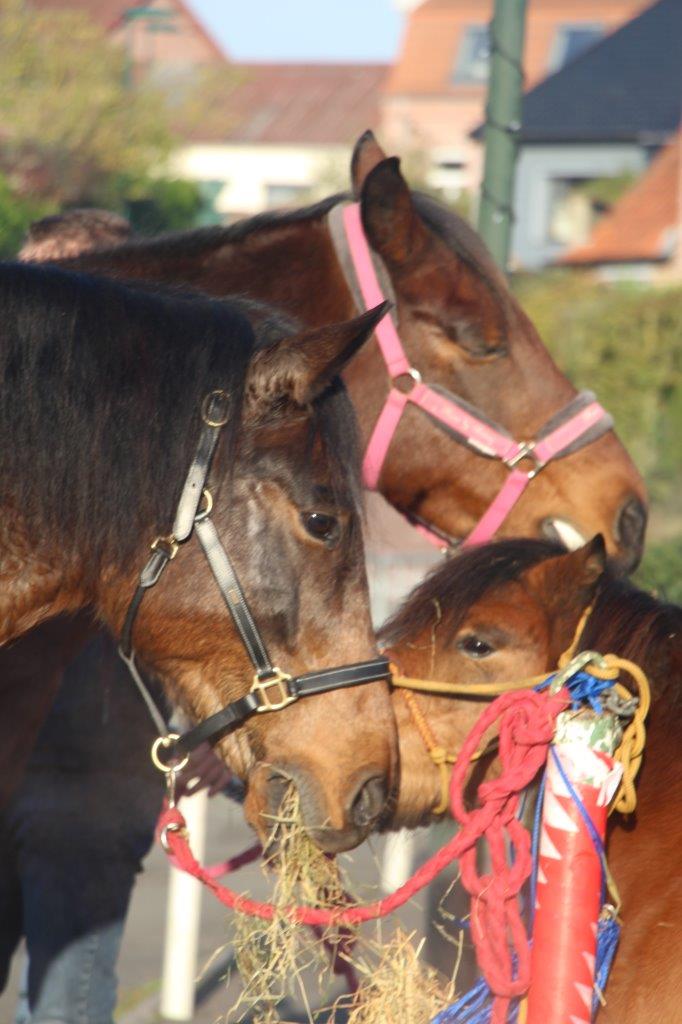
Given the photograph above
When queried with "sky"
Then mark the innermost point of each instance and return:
(306, 30)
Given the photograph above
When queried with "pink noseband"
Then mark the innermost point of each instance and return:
(577, 424)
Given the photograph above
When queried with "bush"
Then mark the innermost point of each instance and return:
(16, 213)
(661, 570)
(625, 343)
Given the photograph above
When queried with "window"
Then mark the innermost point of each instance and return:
(570, 41)
(473, 56)
(285, 195)
(571, 214)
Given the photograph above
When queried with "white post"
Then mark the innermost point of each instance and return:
(183, 916)
(399, 854)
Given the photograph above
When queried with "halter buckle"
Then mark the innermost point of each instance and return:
(526, 450)
(415, 376)
(169, 545)
(282, 697)
(211, 413)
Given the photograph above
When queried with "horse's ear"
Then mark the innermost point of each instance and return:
(298, 368)
(573, 575)
(367, 153)
(389, 218)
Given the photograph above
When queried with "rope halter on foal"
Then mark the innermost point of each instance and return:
(579, 423)
(605, 667)
(271, 689)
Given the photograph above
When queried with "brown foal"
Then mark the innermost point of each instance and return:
(507, 611)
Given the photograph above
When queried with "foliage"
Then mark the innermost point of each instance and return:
(604, 192)
(16, 213)
(625, 343)
(67, 118)
(661, 570)
(152, 204)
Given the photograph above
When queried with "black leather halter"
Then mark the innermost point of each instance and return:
(271, 689)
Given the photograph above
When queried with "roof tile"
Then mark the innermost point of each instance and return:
(643, 222)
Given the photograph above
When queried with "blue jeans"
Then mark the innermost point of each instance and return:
(79, 984)
(72, 841)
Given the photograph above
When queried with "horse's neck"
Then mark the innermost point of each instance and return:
(291, 265)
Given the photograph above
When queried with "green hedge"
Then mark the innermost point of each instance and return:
(625, 343)
(661, 570)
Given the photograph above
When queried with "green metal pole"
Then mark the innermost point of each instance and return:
(503, 120)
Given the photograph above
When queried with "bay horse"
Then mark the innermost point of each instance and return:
(112, 397)
(507, 611)
(461, 329)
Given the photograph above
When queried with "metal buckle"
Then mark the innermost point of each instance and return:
(172, 826)
(574, 666)
(166, 742)
(206, 510)
(169, 544)
(526, 451)
(212, 396)
(279, 680)
(414, 374)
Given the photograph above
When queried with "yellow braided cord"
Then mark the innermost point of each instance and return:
(629, 753)
(631, 749)
(439, 755)
(402, 682)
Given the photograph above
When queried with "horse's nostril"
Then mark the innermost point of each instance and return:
(630, 529)
(369, 802)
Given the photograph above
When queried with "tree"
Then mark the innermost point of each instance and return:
(67, 120)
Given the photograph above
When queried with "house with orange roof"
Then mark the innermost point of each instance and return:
(280, 131)
(435, 93)
(602, 117)
(641, 237)
(286, 134)
(163, 38)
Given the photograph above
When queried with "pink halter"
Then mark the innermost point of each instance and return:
(577, 424)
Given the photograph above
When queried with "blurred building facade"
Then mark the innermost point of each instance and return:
(640, 238)
(600, 118)
(435, 92)
(286, 135)
(162, 38)
(603, 96)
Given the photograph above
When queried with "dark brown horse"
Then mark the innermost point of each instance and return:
(507, 611)
(461, 328)
(100, 416)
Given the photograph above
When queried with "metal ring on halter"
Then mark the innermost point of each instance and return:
(206, 510)
(574, 666)
(414, 374)
(167, 741)
(206, 407)
(526, 450)
(172, 826)
(169, 544)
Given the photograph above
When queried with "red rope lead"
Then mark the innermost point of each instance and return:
(526, 727)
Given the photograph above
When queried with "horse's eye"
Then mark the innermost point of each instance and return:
(474, 647)
(321, 526)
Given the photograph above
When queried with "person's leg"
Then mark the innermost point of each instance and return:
(80, 850)
(10, 903)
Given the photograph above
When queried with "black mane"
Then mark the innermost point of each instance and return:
(88, 364)
(625, 620)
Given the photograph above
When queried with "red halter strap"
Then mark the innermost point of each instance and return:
(577, 424)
